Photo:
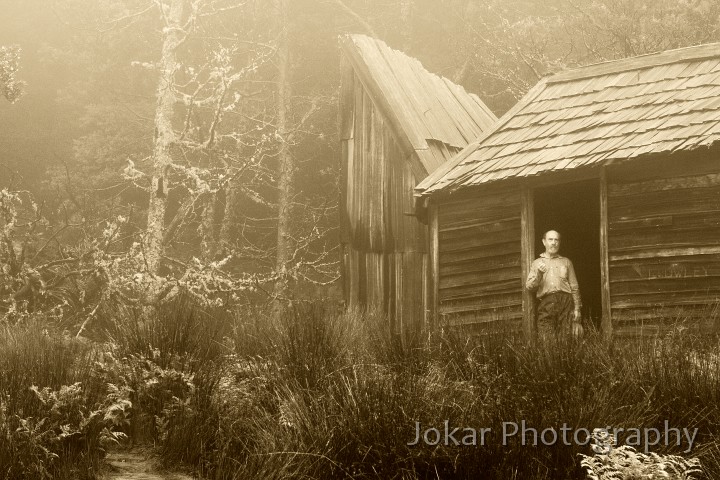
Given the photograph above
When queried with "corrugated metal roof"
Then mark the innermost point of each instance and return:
(657, 103)
(429, 108)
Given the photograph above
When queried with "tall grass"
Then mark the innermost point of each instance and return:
(57, 413)
(315, 393)
(170, 356)
(179, 333)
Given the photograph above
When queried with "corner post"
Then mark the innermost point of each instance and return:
(606, 322)
(433, 279)
(527, 254)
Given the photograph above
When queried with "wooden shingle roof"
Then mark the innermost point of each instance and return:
(612, 111)
(435, 114)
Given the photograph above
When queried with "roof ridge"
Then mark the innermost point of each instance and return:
(382, 45)
(421, 105)
(648, 60)
(434, 177)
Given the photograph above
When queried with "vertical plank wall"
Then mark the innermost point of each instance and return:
(480, 282)
(664, 245)
(383, 247)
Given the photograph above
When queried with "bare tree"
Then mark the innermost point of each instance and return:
(285, 159)
(172, 35)
(10, 86)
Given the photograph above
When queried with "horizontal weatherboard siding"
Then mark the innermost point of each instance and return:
(664, 250)
(479, 280)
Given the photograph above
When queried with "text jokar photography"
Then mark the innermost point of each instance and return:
(514, 432)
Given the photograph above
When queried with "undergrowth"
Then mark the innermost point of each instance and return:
(58, 413)
(316, 393)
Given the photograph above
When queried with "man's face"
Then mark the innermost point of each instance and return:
(552, 242)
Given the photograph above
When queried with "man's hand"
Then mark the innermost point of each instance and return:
(577, 330)
(542, 267)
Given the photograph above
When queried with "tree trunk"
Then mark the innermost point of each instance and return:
(406, 25)
(208, 243)
(164, 135)
(228, 217)
(286, 164)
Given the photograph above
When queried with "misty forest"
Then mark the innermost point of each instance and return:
(170, 259)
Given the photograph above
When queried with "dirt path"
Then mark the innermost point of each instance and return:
(137, 464)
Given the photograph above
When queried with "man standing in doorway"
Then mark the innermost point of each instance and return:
(553, 276)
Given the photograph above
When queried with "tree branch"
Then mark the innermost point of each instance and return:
(369, 29)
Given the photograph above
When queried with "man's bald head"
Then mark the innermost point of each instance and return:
(545, 235)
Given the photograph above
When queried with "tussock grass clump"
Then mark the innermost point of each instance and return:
(58, 414)
(179, 333)
(170, 356)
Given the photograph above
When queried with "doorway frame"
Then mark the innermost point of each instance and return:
(527, 241)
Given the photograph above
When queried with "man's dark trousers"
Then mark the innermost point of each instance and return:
(555, 313)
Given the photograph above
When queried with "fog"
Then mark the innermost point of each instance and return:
(209, 128)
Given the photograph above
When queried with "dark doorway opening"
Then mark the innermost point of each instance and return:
(573, 209)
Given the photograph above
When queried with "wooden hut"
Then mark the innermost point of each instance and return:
(398, 123)
(623, 158)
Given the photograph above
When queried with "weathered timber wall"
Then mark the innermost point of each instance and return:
(480, 282)
(384, 257)
(664, 246)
